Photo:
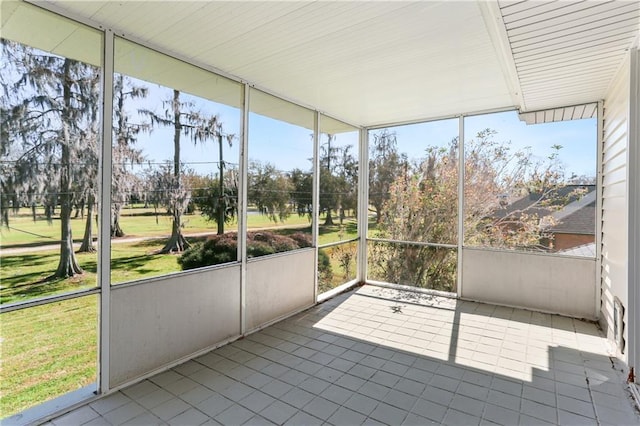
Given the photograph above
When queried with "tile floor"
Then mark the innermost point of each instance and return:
(379, 356)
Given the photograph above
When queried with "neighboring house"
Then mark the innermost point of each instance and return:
(572, 226)
(576, 224)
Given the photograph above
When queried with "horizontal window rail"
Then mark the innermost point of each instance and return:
(337, 243)
(46, 300)
(528, 252)
(413, 243)
(173, 275)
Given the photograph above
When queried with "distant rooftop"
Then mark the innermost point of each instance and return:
(576, 217)
(581, 221)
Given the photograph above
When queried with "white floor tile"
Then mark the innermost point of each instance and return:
(357, 359)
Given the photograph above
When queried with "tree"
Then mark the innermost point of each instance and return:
(348, 174)
(338, 180)
(226, 205)
(162, 188)
(510, 196)
(8, 182)
(384, 165)
(124, 182)
(302, 190)
(51, 101)
(206, 195)
(422, 206)
(269, 190)
(86, 169)
(87, 176)
(186, 121)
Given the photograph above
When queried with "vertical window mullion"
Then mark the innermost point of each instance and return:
(104, 188)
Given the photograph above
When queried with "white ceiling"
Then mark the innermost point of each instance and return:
(371, 63)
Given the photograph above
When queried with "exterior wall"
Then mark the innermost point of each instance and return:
(615, 237)
(556, 284)
(156, 323)
(278, 286)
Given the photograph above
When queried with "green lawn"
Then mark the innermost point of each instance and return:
(139, 222)
(47, 351)
(25, 275)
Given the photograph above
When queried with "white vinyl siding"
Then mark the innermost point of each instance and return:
(634, 210)
(615, 201)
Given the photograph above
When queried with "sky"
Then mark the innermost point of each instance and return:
(288, 146)
(578, 138)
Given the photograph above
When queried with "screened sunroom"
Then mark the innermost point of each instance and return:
(316, 212)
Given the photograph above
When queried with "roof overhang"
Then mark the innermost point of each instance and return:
(576, 112)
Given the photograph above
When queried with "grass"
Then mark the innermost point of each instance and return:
(51, 349)
(139, 222)
(25, 275)
(47, 351)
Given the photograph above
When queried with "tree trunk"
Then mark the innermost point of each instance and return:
(220, 215)
(177, 243)
(87, 241)
(68, 265)
(79, 209)
(48, 213)
(328, 220)
(221, 200)
(116, 229)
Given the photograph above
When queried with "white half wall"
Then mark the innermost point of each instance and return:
(556, 284)
(279, 285)
(157, 322)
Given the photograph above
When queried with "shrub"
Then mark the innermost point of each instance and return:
(325, 274)
(303, 240)
(223, 248)
(217, 249)
(276, 243)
